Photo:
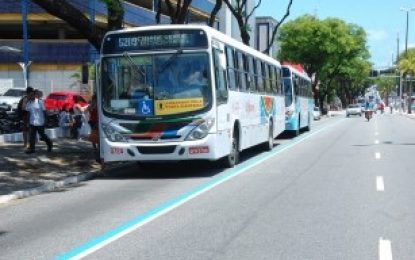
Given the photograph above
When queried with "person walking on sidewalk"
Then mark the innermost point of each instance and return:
(78, 115)
(36, 111)
(24, 116)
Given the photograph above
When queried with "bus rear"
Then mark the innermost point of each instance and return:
(299, 104)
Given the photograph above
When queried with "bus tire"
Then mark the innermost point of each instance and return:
(269, 144)
(232, 159)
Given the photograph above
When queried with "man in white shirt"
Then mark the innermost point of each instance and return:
(37, 120)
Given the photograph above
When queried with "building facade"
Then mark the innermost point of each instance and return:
(56, 51)
(264, 29)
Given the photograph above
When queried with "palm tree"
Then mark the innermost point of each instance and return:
(386, 84)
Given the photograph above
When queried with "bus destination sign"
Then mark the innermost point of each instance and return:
(154, 40)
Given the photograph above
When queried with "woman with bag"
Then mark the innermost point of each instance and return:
(65, 121)
(78, 114)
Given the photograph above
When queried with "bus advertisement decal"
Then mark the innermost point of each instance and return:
(177, 106)
(267, 105)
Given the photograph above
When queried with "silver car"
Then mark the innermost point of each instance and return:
(316, 113)
(354, 109)
(11, 98)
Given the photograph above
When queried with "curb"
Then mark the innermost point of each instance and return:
(47, 187)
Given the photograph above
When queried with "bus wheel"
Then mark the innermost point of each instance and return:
(232, 158)
(269, 144)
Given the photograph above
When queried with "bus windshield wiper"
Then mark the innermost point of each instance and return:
(132, 63)
(170, 60)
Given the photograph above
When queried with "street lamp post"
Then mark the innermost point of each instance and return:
(25, 67)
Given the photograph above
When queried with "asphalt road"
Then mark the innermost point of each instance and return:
(345, 190)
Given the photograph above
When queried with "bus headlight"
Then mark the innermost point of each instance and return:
(201, 131)
(115, 133)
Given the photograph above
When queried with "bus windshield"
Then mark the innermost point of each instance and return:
(288, 91)
(155, 85)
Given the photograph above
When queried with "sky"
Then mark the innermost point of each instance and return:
(382, 20)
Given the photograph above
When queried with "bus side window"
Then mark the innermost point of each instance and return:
(279, 81)
(220, 79)
(274, 87)
(242, 76)
(296, 82)
(230, 66)
(267, 78)
(251, 74)
(260, 81)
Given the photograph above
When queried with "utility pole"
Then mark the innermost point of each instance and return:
(25, 64)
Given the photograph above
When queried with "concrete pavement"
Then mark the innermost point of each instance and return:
(23, 175)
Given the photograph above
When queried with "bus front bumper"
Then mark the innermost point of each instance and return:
(204, 149)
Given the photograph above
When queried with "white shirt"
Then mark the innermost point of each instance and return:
(36, 111)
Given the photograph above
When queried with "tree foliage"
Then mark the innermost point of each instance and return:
(386, 84)
(239, 10)
(331, 50)
(177, 10)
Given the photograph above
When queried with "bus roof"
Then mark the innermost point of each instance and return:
(294, 70)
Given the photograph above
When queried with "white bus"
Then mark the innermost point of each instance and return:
(299, 102)
(185, 92)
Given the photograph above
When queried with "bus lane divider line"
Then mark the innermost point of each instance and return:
(112, 235)
(380, 184)
(385, 249)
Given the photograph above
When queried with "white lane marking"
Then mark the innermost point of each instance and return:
(376, 141)
(385, 249)
(377, 156)
(380, 184)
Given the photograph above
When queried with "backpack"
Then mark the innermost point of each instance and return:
(20, 111)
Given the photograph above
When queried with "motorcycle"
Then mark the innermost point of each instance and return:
(368, 114)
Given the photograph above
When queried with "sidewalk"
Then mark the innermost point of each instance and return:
(23, 175)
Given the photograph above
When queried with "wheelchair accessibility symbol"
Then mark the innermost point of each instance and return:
(145, 107)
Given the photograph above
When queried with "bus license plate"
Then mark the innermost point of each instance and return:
(199, 149)
(116, 150)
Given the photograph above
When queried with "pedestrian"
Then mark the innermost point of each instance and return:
(78, 116)
(93, 121)
(24, 116)
(36, 110)
(65, 121)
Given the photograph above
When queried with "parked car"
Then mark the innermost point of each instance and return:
(56, 100)
(10, 99)
(316, 113)
(354, 109)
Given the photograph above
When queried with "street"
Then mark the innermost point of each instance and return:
(344, 190)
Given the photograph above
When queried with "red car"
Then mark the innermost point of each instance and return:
(56, 100)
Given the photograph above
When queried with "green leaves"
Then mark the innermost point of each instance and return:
(331, 49)
(407, 63)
